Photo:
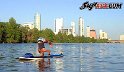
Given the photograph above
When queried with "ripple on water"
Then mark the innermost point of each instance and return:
(116, 63)
(2, 58)
(78, 58)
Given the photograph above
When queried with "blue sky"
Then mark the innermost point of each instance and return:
(109, 20)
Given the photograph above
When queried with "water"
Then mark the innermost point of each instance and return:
(78, 58)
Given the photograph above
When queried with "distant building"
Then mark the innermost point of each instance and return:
(103, 35)
(87, 31)
(81, 27)
(121, 37)
(28, 24)
(92, 33)
(37, 21)
(58, 25)
(67, 31)
(73, 28)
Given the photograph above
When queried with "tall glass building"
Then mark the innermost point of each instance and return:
(81, 27)
(58, 25)
(37, 21)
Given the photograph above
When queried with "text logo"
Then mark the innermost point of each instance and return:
(100, 5)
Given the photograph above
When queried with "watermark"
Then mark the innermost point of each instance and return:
(101, 5)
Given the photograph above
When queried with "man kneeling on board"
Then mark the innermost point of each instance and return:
(41, 47)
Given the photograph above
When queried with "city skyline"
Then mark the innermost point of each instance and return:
(59, 27)
(109, 20)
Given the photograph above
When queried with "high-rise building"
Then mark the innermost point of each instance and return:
(92, 33)
(58, 25)
(103, 35)
(66, 31)
(81, 27)
(73, 28)
(87, 31)
(28, 24)
(121, 37)
(37, 21)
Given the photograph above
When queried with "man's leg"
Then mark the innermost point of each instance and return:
(45, 50)
(42, 53)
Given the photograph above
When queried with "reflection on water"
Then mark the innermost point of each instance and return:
(43, 65)
(58, 65)
(77, 58)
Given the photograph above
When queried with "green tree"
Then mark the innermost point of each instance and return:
(1, 31)
(32, 35)
(60, 37)
(13, 31)
(93, 40)
(78, 39)
(35, 34)
(48, 34)
(24, 32)
(70, 38)
(101, 40)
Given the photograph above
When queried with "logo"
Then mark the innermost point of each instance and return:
(100, 5)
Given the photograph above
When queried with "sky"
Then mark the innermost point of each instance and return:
(109, 20)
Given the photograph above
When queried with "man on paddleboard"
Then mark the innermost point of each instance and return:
(41, 47)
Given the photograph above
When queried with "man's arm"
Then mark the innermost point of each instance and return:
(49, 42)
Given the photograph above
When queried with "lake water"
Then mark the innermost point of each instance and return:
(86, 57)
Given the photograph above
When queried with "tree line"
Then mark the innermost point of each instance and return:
(11, 32)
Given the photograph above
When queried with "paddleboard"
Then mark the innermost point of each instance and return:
(39, 57)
